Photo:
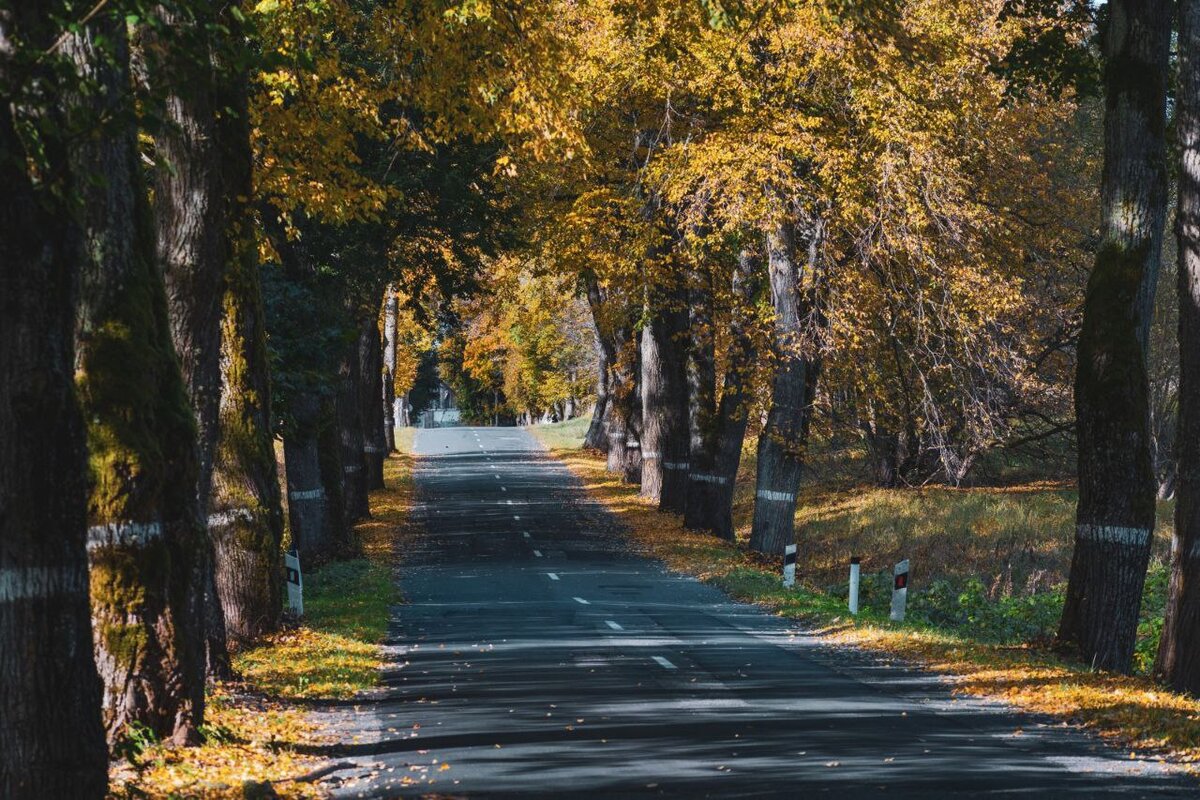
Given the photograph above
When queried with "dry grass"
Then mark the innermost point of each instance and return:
(1131, 712)
(252, 731)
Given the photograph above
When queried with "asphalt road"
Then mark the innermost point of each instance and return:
(536, 656)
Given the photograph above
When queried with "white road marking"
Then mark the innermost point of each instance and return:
(504, 488)
(537, 553)
(662, 662)
(613, 625)
(518, 519)
(525, 534)
(552, 576)
(581, 600)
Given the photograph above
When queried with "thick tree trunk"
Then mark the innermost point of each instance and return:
(632, 456)
(331, 451)
(370, 365)
(350, 431)
(615, 329)
(795, 333)
(1178, 661)
(192, 246)
(701, 399)
(664, 404)
(309, 509)
(245, 517)
(733, 409)
(147, 541)
(1115, 516)
(51, 737)
(391, 312)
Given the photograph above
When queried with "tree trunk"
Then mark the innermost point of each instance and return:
(615, 329)
(632, 456)
(664, 404)
(733, 409)
(147, 542)
(51, 736)
(701, 399)
(350, 429)
(1178, 662)
(783, 440)
(370, 363)
(1115, 515)
(331, 451)
(391, 313)
(245, 517)
(309, 509)
(597, 434)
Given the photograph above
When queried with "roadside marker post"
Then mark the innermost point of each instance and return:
(789, 566)
(899, 590)
(855, 573)
(295, 583)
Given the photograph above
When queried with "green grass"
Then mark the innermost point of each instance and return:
(564, 435)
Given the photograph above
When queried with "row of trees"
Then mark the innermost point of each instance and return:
(221, 224)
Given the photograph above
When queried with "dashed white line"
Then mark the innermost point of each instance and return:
(525, 534)
(662, 662)
(613, 625)
(537, 553)
(518, 519)
(581, 600)
(552, 576)
(504, 488)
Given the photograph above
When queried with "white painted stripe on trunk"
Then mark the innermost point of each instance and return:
(581, 601)
(123, 534)
(223, 518)
(650, 455)
(698, 476)
(613, 625)
(31, 583)
(677, 465)
(308, 494)
(370, 448)
(552, 576)
(351, 468)
(662, 662)
(1113, 534)
(780, 497)
(631, 443)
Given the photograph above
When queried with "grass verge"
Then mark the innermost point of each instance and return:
(253, 726)
(1134, 713)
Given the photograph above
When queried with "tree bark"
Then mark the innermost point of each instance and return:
(615, 329)
(597, 433)
(1115, 515)
(784, 438)
(370, 364)
(732, 410)
(331, 451)
(350, 431)
(1178, 662)
(51, 736)
(310, 512)
(147, 541)
(391, 313)
(632, 455)
(702, 398)
(664, 436)
(245, 516)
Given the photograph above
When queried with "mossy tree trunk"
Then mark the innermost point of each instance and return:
(1178, 661)
(147, 541)
(51, 737)
(370, 368)
(1115, 515)
(716, 492)
(796, 334)
(391, 312)
(245, 516)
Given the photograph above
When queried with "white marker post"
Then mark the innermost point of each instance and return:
(789, 566)
(855, 572)
(899, 590)
(295, 583)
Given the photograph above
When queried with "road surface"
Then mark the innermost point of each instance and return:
(537, 656)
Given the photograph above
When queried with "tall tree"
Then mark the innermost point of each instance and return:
(1179, 648)
(51, 737)
(664, 437)
(391, 314)
(795, 339)
(147, 541)
(1115, 515)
